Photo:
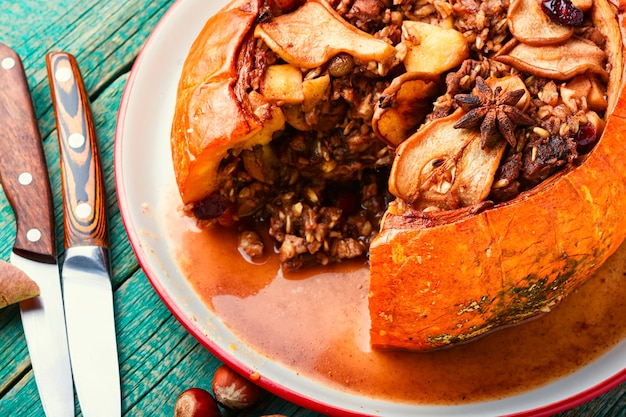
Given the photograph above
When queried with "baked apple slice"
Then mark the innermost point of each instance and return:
(314, 33)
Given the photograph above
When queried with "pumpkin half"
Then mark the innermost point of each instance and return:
(452, 256)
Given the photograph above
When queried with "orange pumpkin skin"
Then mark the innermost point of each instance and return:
(435, 285)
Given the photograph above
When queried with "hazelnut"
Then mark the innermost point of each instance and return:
(232, 390)
(196, 402)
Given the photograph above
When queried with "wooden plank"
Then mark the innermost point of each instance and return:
(14, 359)
(131, 18)
(613, 403)
(105, 37)
(22, 400)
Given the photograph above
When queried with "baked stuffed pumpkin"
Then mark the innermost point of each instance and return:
(472, 152)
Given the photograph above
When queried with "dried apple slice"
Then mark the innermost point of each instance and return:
(530, 25)
(314, 33)
(561, 62)
(444, 167)
(603, 17)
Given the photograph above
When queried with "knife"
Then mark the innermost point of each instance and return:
(24, 176)
(86, 277)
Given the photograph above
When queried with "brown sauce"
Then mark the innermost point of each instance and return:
(317, 322)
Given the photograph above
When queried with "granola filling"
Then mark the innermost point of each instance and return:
(320, 187)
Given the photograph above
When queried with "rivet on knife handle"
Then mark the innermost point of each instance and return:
(23, 170)
(85, 218)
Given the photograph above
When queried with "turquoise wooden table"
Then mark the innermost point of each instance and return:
(158, 358)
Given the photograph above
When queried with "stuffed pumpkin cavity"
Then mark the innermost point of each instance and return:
(477, 163)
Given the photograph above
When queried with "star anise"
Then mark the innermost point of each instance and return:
(492, 109)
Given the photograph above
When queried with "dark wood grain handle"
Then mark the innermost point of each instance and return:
(83, 188)
(23, 168)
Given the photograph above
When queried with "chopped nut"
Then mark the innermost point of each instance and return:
(549, 94)
(251, 243)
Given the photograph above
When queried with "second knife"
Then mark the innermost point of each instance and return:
(87, 290)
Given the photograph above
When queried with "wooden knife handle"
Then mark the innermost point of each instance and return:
(83, 187)
(23, 168)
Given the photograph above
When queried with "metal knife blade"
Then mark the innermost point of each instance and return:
(24, 176)
(86, 278)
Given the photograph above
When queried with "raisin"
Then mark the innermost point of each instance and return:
(341, 65)
(562, 12)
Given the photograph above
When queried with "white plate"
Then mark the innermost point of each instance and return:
(144, 170)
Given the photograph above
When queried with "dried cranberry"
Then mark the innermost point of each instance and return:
(345, 197)
(348, 202)
(563, 12)
(586, 138)
(211, 207)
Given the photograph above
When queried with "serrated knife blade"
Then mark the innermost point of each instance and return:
(87, 288)
(24, 176)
